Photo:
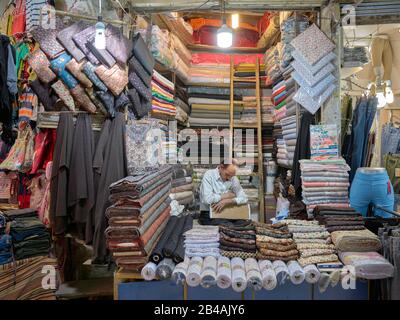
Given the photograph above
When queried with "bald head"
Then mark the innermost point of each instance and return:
(228, 170)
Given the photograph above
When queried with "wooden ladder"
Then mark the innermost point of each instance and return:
(257, 126)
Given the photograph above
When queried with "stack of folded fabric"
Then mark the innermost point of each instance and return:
(205, 74)
(287, 145)
(182, 111)
(181, 58)
(245, 148)
(238, 241)
(275, 242)
(5, 241)
(211, 111)
(337, 219)
(30, 237)
(246, 72)
(160, 46)
(313, 68)
(325, 182)
(272, 63)
(202, 241)
(183, 193)
(163, 97)
(290, 28)
(313, 242)
(138, 215)
(169, 141)
(282, 97)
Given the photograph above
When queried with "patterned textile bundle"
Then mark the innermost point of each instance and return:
(180, 272)
(137, 217)
(356, 241)
(325, 182)
(209, 272)
(268, 274)
(253, 274)
(312, 241)
(202, 241)
(163, 97)
(275, 242)
(224, 273)
(237, 241)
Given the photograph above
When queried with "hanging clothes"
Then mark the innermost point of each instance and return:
(98, 161)
(81, 196)
(60, 172)
(113, 168)
(5, 96)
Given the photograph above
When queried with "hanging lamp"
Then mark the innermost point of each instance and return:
(100, 37)
(224, 34)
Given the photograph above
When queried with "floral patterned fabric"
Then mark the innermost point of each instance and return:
(47, 39)
(115, 78)
(82, 100)
(82, 38)
(58, 65)
(143, 147)
(76, 69)
(65, 37)
(40, 64)
(64, 94)
(89, 71)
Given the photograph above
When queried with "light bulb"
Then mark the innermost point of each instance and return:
(100, 38)
(381, 100)
(235, 20)
(389, 95)
(224, 37)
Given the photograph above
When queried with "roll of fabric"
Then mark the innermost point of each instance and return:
(180, 272)
(209, 272)
(157, 254)
(312, 273)
(149, 271)
(224, 273)
(268, 274)
(179, 253)
(253, 274)
(281, 271)
(165, 268)
(193, 277)
(239, 282)
(296, 272)
(323, 282)
(173, 239)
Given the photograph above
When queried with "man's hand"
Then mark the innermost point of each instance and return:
(228, 195)
(217, 207)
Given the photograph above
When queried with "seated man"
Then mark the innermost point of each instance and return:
(219, 188)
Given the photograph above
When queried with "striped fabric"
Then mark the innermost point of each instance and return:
(22, 279)
(27, 100)
(33, 9)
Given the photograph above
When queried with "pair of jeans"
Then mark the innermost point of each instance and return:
(363, 118)
(374, 188)
(390, 140)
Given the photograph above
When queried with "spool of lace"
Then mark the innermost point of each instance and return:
(312, 273)
(281, 271)
(239, 282)
(193, 277)
(268, 274)
(296, 272)
(165, 268)
(224, 274)
(253, 274)
(149, 271)
(209, 272)
(180, 272)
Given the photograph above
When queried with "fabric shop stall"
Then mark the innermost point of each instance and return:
(92, 153)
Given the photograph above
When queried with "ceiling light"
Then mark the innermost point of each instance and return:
(235, 20)
(224, 37)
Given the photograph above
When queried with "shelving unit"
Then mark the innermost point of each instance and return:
(258, 126)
